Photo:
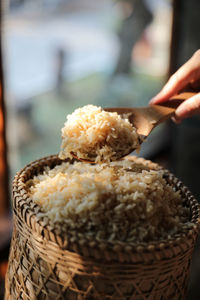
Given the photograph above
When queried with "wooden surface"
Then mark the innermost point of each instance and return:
(3, 163)
(4, 198)
(5, 232)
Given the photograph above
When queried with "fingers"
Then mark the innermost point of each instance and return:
(188, 108)
(175, 84)
(188, 73)
(175, 120)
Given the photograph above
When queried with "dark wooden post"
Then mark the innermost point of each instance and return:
(4, 194)
(175, 36)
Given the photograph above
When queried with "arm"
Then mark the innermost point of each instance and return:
(188, 74)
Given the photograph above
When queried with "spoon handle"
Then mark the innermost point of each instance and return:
(176, 100)
(158, 113)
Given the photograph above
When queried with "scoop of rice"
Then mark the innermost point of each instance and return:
(94, 134)
(119, 201)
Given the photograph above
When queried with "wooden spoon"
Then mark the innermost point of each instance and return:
(145, 119)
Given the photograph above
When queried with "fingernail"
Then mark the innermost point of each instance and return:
(176, 121)
(180, 111)
(152, 101)
(155, 98)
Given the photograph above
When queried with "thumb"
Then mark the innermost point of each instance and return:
(188, 108)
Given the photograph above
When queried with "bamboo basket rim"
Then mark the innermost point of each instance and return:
(25, 209)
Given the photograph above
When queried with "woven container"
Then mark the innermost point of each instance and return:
(47, 262)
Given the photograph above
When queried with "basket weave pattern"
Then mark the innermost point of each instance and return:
(47, 262)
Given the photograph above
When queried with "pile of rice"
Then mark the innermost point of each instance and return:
(117, 201)
(94, 134)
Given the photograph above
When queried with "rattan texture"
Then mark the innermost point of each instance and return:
(48, 262)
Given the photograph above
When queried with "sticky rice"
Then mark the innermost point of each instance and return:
(117, 201)
(94, 134)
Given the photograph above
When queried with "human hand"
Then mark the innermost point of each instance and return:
(187, 76)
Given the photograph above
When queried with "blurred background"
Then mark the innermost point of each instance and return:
(58, 55)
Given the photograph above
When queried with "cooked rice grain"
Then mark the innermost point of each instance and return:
(120, 201)
(94, 134)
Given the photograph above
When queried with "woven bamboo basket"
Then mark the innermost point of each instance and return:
(47, 262)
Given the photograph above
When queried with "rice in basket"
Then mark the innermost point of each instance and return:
(119, 201)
